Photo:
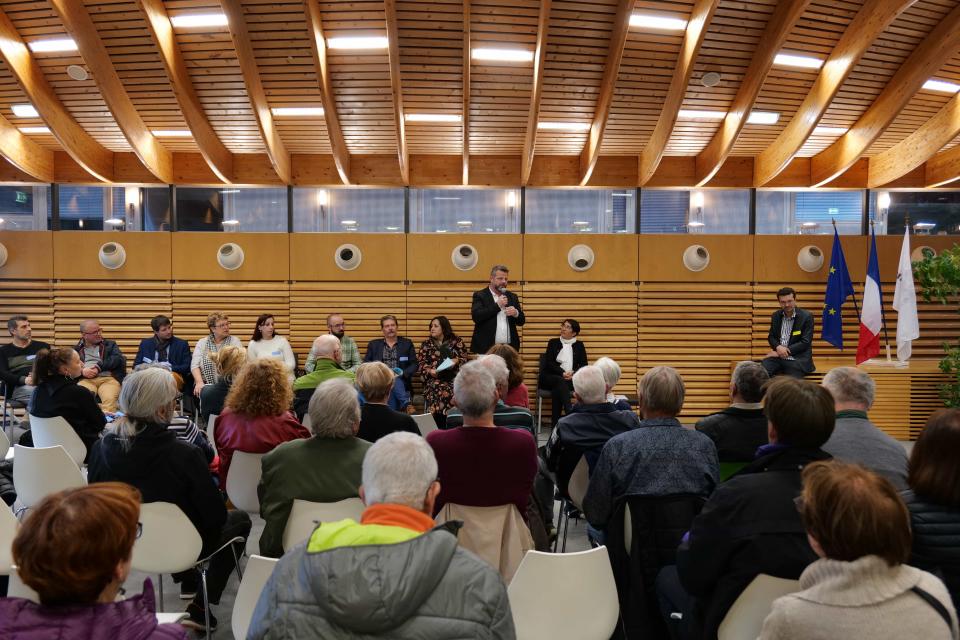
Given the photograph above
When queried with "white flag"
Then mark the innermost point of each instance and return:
(905, 302)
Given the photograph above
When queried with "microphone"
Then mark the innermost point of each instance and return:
(502, 289)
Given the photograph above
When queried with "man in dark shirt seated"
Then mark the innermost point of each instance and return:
(166, 350)
(503, 414)
(17, 358)
(399, 354)
(740, 428)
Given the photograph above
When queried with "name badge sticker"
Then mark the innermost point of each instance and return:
(404, 358)
(32, 357)
(795, 333)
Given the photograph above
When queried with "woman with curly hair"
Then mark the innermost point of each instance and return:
(256, 416)
(443, 344)
(517, 394)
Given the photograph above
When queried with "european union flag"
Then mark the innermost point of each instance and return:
(839, 288)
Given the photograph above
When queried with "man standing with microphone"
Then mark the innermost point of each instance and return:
(496, 313)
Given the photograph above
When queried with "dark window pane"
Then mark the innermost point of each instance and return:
(929, 212)
(465, 210)
(231, 209)
(339, 210)
(580, 210)
(24, 208)
(809, 212)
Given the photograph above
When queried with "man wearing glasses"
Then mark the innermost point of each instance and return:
(103, 365)
(350, 354)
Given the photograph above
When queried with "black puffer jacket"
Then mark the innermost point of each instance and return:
(936, 541)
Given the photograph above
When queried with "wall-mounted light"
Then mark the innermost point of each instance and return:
(695, 222)
(883, 200)
(511, 200)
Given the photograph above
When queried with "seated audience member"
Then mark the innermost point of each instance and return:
(327, 350)
(202, 366)
(657, 458)
(517, 393)
(741, 428)
(227, 362)
(165, 349)
(855, 438)
(441, 345)
(266, 343)
(16, 359)
(392, 575)
(256, 415)
(860, 588)
(584, 432)
(481, 464)
(322, 468)
(611, 374)
(934, 499)
(750, 524)
(503, 415)
(375, 380)
(350, 354)
(563, 357)
(57, 393)
(397, 353)
(140, 450)
(74, 550)
(103, 365)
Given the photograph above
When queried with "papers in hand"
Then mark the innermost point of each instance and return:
(446, 364)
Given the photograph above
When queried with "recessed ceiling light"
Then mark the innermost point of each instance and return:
(25, 111)
(797, 60)
(941, 85)
(710, 79)
(76, 72)
(358, 42)
(34, 129)
(296, 111)
(193, 20)
(52, 44)
(829, 131)
(696, 114)
(763, 117)
(432, 117)
(502, 55)
(563, 126)
(655, 21)
(171, 133)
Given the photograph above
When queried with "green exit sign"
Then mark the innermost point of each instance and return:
(834, 211)
(21, 197)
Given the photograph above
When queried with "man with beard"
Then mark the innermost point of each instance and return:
(348, 346)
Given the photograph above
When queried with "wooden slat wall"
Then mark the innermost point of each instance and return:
(33, 298)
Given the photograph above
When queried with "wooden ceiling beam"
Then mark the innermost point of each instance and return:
(25, 154)
(276, 150)
(611, 70)
(942, 168)
(693, 37)
(711, 158)
(154, 156)
(465, 129)
(393, 53)
(536, 92)
(870, 22)
(89, 154)
(217, 156)
(931, 54)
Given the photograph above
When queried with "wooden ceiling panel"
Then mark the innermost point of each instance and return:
(11, 94)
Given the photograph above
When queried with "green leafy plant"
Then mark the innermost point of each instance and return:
(938, 278)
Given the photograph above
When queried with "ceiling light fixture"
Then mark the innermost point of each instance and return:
(358, 42)
(34, 129)
(797, 60)
(432, 117)
(763, 117)
(502, 55)
(76, 72)
(231, 222)
(941, 85)
(114, 221)
(53, 45)
(281, 112)
(697, 114)
(563, 126)
(194, 20)
(25, 111)
(171, 133)
(653, 21)
(827, 130)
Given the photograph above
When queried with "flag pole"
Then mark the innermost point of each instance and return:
(883, 312)
(853, 294)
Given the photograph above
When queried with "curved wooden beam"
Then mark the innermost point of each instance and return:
(466, 92)
(611, 69)
(276, 150)
(931, 54)
(154, 156)
(25, 154)
(711, 158)
(872, 20)
(536, 93)
(89, 154)
(692, 39)
(393, 53)
(942, 168)
(217, 156)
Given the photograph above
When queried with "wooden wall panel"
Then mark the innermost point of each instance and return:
(384, 257)
(76, 255)
(545, 258)
(29, 255)
(33, 298)
(428, 256)
(775, 258)
(266, 256)
(661, 258)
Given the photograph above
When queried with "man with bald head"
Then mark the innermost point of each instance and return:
(328, 354)
(103, 365)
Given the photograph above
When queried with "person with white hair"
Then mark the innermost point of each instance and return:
(396, 574)
(504, 415)
(328, 352)
(611, 373)
(322, 468)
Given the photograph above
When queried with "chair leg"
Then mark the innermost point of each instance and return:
(206, 601)
(160, 591)
(236, 562)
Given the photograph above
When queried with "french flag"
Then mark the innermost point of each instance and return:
(871, 315)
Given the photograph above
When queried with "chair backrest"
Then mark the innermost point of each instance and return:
(242, 480)
(579, 588)
(40, 471)
(745, 617)
(425, 423)
(4, 443)
(656, 525)
(497, 534)
(17, 589)
(307, 422)
(255, 577)
(305, 515)
(8, 529)
(169, 542)
(211, 421)
(579, 481)
(49, 432)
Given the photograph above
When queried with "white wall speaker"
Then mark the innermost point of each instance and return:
(112, 255)
(230, 256)
(696, 257)
(810, 258)
(3, 254)
(348, 257)
(917, 254)
(465, 257)
(580, 257)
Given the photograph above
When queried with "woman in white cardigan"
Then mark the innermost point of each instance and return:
(860, 588)
(265, 343)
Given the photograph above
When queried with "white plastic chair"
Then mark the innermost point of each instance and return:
(307, 422)
(255, 577)
(305, 515)
(5, 450)
(17, 589)
(49, 432)
(425, 423)
(745, 618)
(580, 589)
(242, 480)
(40, 471)
(8, 529)
(211, 421)
(577, 490)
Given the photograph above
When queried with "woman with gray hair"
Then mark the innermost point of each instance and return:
(611, 374)
(142, 451)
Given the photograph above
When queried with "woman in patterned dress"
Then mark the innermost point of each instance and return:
(443, 343)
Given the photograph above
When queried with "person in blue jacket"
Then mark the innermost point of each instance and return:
(164, 348)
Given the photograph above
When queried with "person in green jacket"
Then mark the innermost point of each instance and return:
(327, 367)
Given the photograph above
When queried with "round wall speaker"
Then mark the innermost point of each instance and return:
(580, 257)
(3, 255)
(348, 257)
(810, 258)
(465, 257)
(230, 256)
(921, 252)
(112, 255)
(696, 257)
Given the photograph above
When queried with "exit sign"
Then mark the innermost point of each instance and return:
(834, 211)
(21, 197)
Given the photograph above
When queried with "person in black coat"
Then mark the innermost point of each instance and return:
(375, 381)
(495, 312)
(741, 428)
(790, 354)
(564, 356)
(57, 393)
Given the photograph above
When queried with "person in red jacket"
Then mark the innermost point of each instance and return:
(256, 416)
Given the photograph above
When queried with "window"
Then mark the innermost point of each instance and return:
(231, 209)
(126, 208)
(724, 211)
(465, 210)
(929, 212)
(24, 208)
(580, 210)
(339, 210)
(809, 212)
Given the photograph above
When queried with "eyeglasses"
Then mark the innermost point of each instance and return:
(91, 333)
(224, 325)
(139, 529)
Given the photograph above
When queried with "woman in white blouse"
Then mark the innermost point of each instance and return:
(265, 343)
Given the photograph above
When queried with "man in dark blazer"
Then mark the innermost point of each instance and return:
(496, 313)
(790, 338)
